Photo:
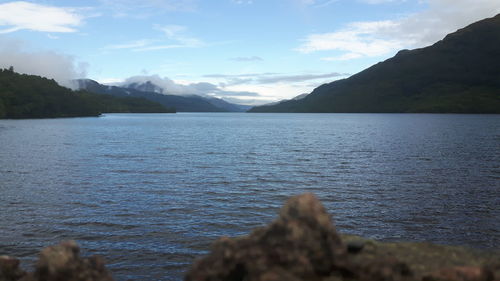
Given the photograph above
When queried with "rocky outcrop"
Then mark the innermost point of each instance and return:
(57, 263)
(426, 261)
(9, 269)
(301, 244)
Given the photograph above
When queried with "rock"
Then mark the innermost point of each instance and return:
(301, 244)
(9, 269)
(461, 273)
(382, 269)
(63, 262)
(355, 247)
(425, 260)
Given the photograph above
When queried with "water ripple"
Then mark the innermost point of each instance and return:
(151, 192)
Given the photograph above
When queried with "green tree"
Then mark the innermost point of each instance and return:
(2, 108)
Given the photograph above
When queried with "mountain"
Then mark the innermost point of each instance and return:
(223, 105)
(152, 92)
(458, 74)
(227, 106)
(180, 103)
(148, 86)
(301, 96)
(30, 96)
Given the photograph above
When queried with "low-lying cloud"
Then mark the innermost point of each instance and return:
(297, 78)
(201, 88)
(49, 64)
(272, 78)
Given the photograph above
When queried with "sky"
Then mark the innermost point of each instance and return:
(245, 51)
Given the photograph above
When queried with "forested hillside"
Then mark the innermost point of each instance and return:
(29, 96)
(458, 74)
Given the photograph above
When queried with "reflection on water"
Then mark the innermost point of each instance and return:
(150, 192)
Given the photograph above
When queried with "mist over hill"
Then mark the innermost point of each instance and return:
(31, 96)
(153, 92)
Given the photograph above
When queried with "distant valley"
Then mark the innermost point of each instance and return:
(152, 92)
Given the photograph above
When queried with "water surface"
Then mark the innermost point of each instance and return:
(151, 191)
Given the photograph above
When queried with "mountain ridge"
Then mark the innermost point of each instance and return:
(31, 96)
(152, 92)
(457, 74)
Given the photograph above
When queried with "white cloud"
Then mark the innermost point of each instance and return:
(174, 37)
(145, 8)
(315, 3)
(378, 38)
(21, 15)
(272, 86)
(296, 78)
(247, 59)
(169, 86)
(110, 81)
(177, 33)
(374, 2)
(271, 78)
(246, 88)
(446, 16)
(346, 56)
(160, 47)
(131, 45)
(172, 30)
(60, 67)
(271, 92)
(242, 2)
(358, 39)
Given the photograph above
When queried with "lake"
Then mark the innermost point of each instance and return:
(150, 192)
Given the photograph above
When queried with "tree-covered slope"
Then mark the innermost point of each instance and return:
(458, 74)
(29, 96)
(189, 102)
(181, 103)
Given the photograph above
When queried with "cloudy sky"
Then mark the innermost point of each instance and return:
(247, 51)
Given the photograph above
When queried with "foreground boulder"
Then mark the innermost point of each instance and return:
(9, 269)
(302, 244)
(57, 263)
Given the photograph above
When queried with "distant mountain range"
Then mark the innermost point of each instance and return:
(152, 92)
(459, 74)
(30, 96)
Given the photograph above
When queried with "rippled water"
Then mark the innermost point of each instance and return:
(151, 191)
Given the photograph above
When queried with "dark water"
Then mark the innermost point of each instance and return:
(150, 192)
